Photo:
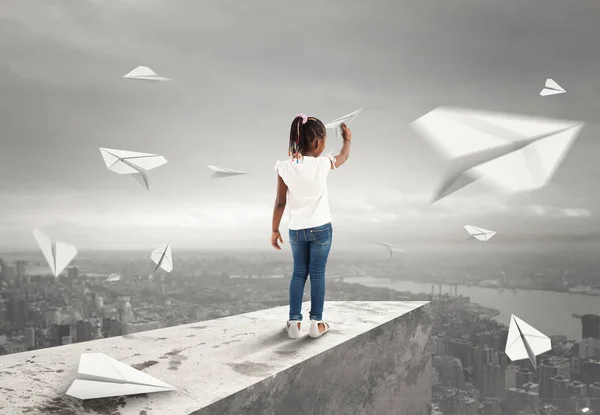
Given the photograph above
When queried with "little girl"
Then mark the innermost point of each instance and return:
(302, 181)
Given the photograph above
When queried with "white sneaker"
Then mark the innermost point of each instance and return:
(293, 328)
(314, 328)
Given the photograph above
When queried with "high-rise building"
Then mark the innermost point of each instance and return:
(492, 407)
(577, 389)
(594, 394)
(2, 270)
(560, 389)
(30, 338)
(481, 356)
(549, 368)
(520, 399)
(590, 326)
(83, 331)
(73, 273)
(21, 268)
(523, 376)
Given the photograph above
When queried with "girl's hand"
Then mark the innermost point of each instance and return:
(346, 133)
(274, 237)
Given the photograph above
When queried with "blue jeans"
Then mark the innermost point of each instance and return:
(310, 249)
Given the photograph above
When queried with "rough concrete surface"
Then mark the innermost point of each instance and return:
(375, 360)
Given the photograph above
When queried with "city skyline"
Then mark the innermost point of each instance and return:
(234, 93)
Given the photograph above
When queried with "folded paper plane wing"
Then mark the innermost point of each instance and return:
(145, 73)
(392, 248)
(552, 88)
(131, 162)
(479, 233)
(512, 152)
(163, 258)
(101, 376)
(525, 342)
(57, 257)
(346, 119)
(220, 172)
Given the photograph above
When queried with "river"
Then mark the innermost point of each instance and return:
(548, 311)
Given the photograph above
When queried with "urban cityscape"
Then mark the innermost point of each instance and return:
(104, 295)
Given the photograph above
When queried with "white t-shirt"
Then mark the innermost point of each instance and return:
(307, 190)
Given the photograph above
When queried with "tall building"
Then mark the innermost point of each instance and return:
(83, 331)
(590, 326)
(523, 376)
(520, 399)
(560, 389)
(481, 356)
(549, 368)
(594, 394)
(2, 270)
(73, 273)
(30, 338)
(18, 311)
(21, 267)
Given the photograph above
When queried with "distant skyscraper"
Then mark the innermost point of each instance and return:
(481, 356)
(2, 270)
(30, 338)
(21, 267)
(73, 272)
(590, 326)
(550, 368)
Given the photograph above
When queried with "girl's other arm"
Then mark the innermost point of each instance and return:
(280, 202)
(345, 151)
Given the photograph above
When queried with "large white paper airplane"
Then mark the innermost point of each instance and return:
(525, 342)
(131, 162)
(220, 172)
(101, 376)
(58, 255)
(113, 278)
(163, 258)
(514, 153)
(479, 233)
(551, 88)
(146, 74)
(392, 248)
(346, 119)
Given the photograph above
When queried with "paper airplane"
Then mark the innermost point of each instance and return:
(57, 256)
(525, 342)
(551, 88)
(512, 152)
(479, 233)
(131, 162)
(162, 258)
(113, 278)
(146, 74)
(101, 376)
(346, 119)
(392, 248)
(220, 172)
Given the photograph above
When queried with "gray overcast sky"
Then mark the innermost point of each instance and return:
(241, 71)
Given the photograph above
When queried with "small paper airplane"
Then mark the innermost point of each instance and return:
(113, 278)
(57, 256)
(146, 74)
(392, 248)
(551, 88)
(479, 233)
(346, 119)
(162, 258)
(514, 153)
(101, 376)
(525, 342)
(131, 162)
(220, 172)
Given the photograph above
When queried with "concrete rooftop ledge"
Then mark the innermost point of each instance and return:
(376, 359)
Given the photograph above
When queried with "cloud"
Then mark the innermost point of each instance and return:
(555, 212)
